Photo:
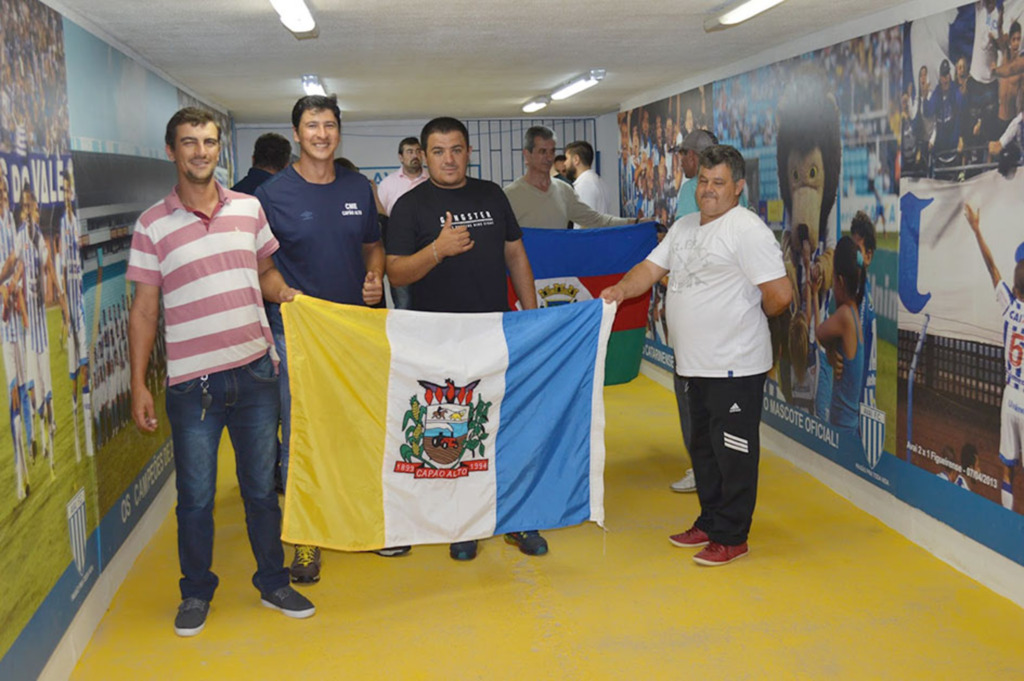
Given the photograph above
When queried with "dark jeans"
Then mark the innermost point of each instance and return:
(246, 401)
(276, 322)
(725, 448)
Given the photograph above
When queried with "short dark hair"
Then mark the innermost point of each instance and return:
(190, 115)
(408, 142)
(560, 157)
(583, 149)
(271, 151)
(315, 103)
(863, 227)
(535, 131)
(717, 154)
(443, 125)
(1015, 27)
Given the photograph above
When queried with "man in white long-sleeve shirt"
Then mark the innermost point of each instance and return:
(579, 159)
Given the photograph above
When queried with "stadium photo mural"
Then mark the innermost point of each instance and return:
(47, 481)
(961, 316)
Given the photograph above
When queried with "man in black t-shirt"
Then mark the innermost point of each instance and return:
(451, 239)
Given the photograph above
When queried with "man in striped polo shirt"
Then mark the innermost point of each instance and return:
(206, 251)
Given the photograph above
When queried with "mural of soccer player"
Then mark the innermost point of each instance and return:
(809, 155)
(35, 256)
(11, 335)
(1011, 302)
(69, 268)
(862, 231)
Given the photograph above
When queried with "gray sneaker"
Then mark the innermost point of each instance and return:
(687, 484)
(305, 567)
(191, 616)
(290, 602)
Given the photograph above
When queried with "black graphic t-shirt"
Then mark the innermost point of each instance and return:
(473, 281)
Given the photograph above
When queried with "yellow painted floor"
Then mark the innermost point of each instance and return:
(827, 592)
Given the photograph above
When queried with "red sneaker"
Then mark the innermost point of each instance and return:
(720, 554)
(691, 539)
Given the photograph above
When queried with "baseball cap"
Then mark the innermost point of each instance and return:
(697, 141)
(944, 68)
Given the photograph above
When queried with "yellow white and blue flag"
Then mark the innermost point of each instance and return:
(416, 428)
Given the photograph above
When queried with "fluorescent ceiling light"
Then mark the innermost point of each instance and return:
(312, 85)
(536, 104)
(578, 84)
(737, 13)
(296, 17)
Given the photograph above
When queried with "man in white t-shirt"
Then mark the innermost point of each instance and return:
(726, 277)
(579, 159)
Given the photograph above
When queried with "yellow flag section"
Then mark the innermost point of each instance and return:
(338, 360)
(414, 427)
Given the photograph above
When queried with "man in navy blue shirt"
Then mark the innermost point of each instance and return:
(270, 155)
(325, 219)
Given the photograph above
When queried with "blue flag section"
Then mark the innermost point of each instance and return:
(588, 252)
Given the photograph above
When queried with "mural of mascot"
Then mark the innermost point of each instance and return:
(809, 154)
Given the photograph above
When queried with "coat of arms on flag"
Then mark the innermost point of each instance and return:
(442, 430)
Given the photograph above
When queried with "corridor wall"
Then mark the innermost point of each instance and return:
(81, 155)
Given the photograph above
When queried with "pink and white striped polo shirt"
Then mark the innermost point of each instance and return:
(208, 275)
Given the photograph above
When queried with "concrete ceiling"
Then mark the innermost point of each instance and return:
(407, 59)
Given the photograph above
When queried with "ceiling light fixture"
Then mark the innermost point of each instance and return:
(536, 104)
(578, 84)
(737, 13)
(296, 17)
(312, 85)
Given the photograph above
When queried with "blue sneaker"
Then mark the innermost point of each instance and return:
(463, 550)
(529, 542)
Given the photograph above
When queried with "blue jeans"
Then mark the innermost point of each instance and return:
(246, 401)
(277, 328)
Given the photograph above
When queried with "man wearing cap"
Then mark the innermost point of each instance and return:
(694, 143)
(537, 201)
(946, 107)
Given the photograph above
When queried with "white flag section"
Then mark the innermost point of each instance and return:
(951, 269)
